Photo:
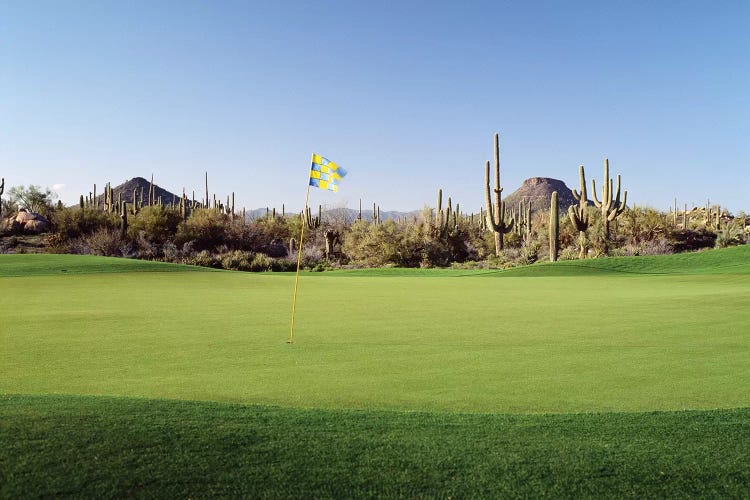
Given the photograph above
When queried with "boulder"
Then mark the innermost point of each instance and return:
(36, 226)
(29, 222)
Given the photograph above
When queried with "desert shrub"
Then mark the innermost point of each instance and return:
(264, 232)
(372, 245)
(237, 260)
(261, 263)
(730, 235)
(55, 243)
(569, 253)
(106, 242)
(170, 252)
(156, 224)
(74, 222)
(206, 228)
(529, 253)
(684, 240)
(204, 258)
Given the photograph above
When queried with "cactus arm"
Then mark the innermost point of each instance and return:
(620, 208)
(597, 203)
(617, 196)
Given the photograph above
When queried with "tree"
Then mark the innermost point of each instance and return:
(33, 199)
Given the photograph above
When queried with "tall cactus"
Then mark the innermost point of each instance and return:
(554, 228)
(497, 219)
(124, 220)
(446, 221)
(610, 206)
(523, 221)
(135, 201)
(309, 220)
(578, 214)
(2, 190)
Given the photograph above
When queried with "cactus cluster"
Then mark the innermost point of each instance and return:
(610, 205)
(310, 221)
(522, 216)
(445, 222)
(578, 214)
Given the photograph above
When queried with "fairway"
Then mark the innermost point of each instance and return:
(622, 377)
(637, 334)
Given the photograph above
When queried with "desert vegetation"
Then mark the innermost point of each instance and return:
(141, 220)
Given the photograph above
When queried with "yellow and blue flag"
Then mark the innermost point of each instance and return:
(325, 174)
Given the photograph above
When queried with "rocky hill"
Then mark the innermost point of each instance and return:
(139, 184)
(539, 190)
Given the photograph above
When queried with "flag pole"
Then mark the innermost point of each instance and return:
(299, 260)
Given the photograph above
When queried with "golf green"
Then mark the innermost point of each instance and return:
(636, 334)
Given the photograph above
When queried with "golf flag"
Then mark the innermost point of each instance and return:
(325, 174)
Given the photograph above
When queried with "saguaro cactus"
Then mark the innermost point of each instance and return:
(554, 228)
(523, 221)
(124, 220)
(578, 214)
(2, 190)
(496, 216)
(446, 220)
(610, 206)
(312, 222)
(331, 238)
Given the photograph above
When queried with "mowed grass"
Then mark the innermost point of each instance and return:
(112, 447)
(401, 383)
(458, 341)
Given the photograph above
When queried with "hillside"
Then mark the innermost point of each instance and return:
(538, 191)
(138, 184)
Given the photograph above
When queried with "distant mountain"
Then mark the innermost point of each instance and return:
(538, 191)
(339, 214)
(139, 184)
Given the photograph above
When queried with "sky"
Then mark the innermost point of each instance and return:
(406, 95)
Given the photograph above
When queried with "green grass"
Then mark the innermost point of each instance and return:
(608, 342)
(102, 447)
(437, 385)
(26, 265)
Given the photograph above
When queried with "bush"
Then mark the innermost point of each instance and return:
(74, 222)
(155, 224)
(237, 260)
(204, 258)
(261, 263)
(206, 228)
(730, 235)
(105, 242)
(685, 240)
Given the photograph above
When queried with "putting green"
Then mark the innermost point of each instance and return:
(598, 336)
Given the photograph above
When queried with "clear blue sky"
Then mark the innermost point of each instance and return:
(404, 95)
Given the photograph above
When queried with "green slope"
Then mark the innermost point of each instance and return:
(52, 264)
(103, 448)
(608, 342)
(735, 260)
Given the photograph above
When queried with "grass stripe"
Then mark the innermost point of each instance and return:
(111, 447)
